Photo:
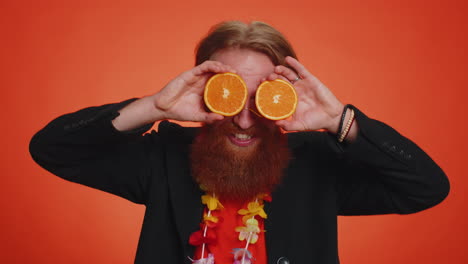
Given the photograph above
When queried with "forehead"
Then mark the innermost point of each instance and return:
(251, 65)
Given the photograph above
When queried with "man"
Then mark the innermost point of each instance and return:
(210, 193)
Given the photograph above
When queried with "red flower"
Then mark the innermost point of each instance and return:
(265, 197)
(197, 238)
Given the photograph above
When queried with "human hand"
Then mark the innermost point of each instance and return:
(317, 107)
(182, 98)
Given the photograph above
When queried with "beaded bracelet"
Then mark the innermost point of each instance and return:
(347, 128)
(343, 115)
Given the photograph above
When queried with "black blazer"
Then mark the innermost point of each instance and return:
(381, 172)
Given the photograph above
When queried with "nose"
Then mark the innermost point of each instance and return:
(245, 119)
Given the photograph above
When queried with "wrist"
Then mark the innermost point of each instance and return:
(135, 115)
(336, 117)
(347, 128)
(343, 125)
(347, 122)
(158, 110)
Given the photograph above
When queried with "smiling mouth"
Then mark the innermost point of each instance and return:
(242, 140)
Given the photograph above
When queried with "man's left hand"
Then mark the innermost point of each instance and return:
(317, 107)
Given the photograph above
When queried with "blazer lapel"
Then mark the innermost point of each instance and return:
(184, 192)
(274, 224)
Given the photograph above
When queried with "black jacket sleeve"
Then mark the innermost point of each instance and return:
(383, 172)
(84, 147)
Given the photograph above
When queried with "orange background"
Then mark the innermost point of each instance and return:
(403, 62)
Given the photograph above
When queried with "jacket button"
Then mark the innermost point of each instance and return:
(393, 148)
(402, 152)
(282, 260)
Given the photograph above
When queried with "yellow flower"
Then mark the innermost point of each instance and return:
(211, 202)
(210, 218)
(253, 209)
(250, 229)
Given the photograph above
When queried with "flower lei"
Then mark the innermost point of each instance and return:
(249, 232)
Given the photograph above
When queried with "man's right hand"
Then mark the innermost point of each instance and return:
(181, 99)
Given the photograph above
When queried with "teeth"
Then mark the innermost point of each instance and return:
(242, 136)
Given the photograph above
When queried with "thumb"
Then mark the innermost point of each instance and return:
(284, 124)
(290, 125)
(213, 117)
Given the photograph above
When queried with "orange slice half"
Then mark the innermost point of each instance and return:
(276, 99)
(225, 94)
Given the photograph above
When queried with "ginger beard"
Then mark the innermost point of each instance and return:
(239, 173)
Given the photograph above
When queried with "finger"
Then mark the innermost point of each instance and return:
(223, 67)
(283, 78)
(206, 67)
(290, 125)
(284, 124)
(286, 72)
(273, 76)
(207, 117)
(230, 69)
(213, 117)
(210, 66)
(226, 68)
(296, 65)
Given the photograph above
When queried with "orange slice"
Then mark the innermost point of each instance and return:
(276, 99)
(225, 94)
